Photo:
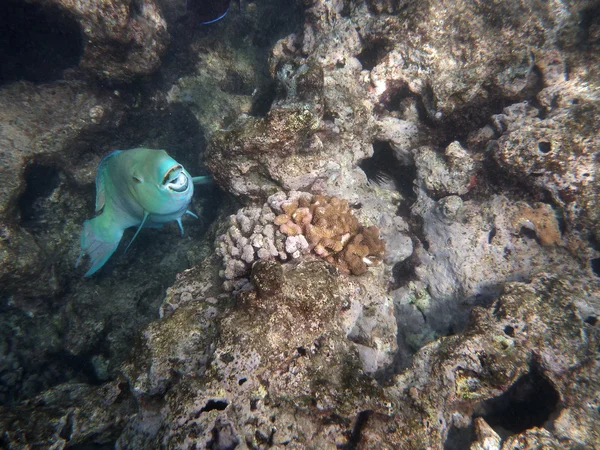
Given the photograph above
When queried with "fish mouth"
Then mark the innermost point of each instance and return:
(176, 180)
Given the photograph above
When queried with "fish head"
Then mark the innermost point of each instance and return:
(159, 184)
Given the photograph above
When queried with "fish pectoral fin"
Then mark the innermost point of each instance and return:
(99, 243)
(191, 214)
(146, 214)
(101, 181)
(180, 225)
(204, 179)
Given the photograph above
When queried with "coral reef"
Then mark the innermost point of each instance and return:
(462, 132)
(556, 154)
(281, 368)
(288, 226)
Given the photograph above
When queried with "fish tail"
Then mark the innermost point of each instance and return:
(99, 241)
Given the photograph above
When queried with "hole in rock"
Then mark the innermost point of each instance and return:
(528, 233)
(396, 94)
(510, 331)
(263, 99)
(41, 181)
(385, 167)
(37, 43)
(241, 381)
(301, 351)
(528, 403)
(544, 147)
(361, 421)
(595, 264)
(591, 320)
(211, 405)
(492, 234)
(372, 53)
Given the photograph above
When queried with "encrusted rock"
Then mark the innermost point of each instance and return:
(557, 154)
(68, 415)
(282, 356)
(134, 25)
(445, 175)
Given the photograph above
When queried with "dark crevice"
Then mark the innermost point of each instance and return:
(41, 181)
(528, 403)
(93, 446)
(223, 437)
(492, 235)
(67, 430)
(37, 43)
(373, 51)
(509, 331)
(591, 320)
(212, 405)
(459, 438)
(588, 17)
(595, 264)
(405, 271)
(383, 166)
(355, 436)
(263, 99)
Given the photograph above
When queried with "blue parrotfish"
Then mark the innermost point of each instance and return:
(135, 188)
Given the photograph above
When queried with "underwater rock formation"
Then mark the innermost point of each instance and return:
(462, 130)
(280, 369)
(557, 153)
(123, 39)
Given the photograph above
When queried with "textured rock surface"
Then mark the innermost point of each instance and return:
(528, 352)
(557, 154)
(37, 124)
(463, 130)
(68, 415)
(281, 369)
(123, 39)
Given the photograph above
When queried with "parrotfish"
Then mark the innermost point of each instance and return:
(135, 188)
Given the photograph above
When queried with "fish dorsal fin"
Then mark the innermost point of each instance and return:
(100, 181)
(146, 214)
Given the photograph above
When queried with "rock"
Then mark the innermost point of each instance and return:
(281, 356)
(556, 154)
(68, 415)
(523, 355)
(469, 256)
(34, 154)
(123, 39)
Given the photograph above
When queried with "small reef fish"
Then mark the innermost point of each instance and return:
(139, 187)
(207, 11)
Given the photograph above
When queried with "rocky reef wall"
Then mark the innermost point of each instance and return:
(465, 133)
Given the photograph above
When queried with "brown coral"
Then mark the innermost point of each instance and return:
(541, 219)
(332, 232)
